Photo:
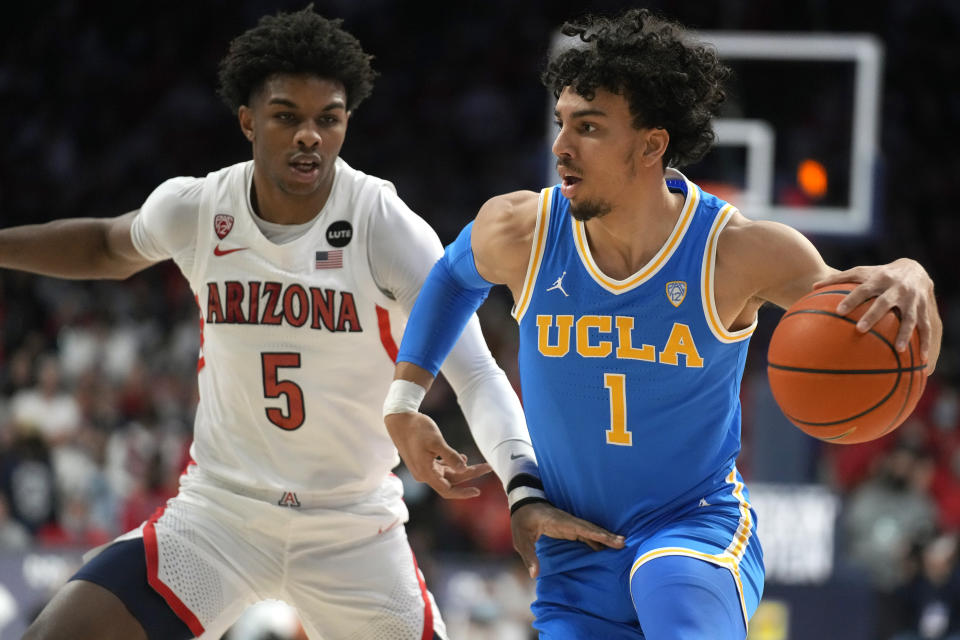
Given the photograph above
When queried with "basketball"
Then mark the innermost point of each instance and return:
(835, 383)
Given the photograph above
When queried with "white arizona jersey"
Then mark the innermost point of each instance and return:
(297, 340)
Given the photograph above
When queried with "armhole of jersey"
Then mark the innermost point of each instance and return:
(201, 251)
(364, 223)
(391, 321)
(707, 282)
(536, 255)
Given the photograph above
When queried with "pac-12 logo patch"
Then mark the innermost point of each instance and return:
(222, 223)
(676, 292)
(339, 233)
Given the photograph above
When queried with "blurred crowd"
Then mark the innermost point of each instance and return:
(97, 380)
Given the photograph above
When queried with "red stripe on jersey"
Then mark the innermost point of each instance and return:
(153, 565)
(427, 609)
(383, 321)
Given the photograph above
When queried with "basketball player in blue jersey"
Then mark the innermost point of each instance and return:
(636, 294)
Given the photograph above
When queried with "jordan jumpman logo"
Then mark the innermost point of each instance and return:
(559, 285)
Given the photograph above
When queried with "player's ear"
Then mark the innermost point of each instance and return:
(245, 117)
(654, 146)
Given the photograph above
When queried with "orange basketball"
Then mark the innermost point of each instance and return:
(836, 383)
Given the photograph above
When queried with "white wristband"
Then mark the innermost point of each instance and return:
(403, 397)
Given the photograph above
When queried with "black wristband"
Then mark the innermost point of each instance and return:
(520, 503)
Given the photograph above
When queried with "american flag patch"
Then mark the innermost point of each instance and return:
(332, 259)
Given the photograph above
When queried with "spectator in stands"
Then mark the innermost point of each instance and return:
(888, 513)
(45, 407)
(929, 604)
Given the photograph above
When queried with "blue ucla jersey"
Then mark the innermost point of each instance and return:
(630, 387)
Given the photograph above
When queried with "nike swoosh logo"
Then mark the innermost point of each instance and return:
(381, 530)
(217, 251)
(514, 456)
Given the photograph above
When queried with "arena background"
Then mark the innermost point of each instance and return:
(101, 102)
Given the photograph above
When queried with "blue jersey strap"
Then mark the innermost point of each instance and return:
(450, 295)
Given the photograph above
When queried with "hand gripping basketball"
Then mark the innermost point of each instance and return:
(835, 383)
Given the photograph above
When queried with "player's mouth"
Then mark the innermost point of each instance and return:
(568, 184)
(305, 168)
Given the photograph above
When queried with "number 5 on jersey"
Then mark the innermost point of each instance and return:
(617, 433)
(274, 387)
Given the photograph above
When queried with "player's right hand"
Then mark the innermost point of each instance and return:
(429, 458)
(903, 285)
(536, 519)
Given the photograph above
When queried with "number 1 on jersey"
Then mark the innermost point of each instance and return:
(617, 433)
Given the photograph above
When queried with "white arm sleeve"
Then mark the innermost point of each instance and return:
(166, 226)
(403, 248)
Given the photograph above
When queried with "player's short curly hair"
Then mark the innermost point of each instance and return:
(669, 81)
(300, 42)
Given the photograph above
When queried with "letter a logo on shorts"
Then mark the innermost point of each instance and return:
(676, 292)
(222, 223)
(289, 499)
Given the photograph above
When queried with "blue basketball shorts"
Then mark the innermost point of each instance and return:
(695, 575)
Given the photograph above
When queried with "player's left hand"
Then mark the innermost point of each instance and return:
(429, 458)
(902, 284)
(536, 519)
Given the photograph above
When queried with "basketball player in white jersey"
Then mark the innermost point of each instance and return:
(304, 270)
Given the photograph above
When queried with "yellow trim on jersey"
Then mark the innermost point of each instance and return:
(652, 267)
(745, 528)
(536, 255)
(707, 283)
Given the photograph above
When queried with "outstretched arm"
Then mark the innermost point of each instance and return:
(494, 249)
(448, 300)
(78, 248)
(453, 291)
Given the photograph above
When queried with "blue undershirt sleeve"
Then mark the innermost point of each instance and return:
(450, 295)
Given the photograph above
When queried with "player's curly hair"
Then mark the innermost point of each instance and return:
(300, 42)
(669, 81)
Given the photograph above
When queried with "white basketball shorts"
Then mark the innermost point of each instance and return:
(349, 572)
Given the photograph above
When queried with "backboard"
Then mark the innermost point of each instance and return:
(797, 141)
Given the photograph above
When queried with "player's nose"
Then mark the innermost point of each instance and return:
(562, 145)
(308, 136)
